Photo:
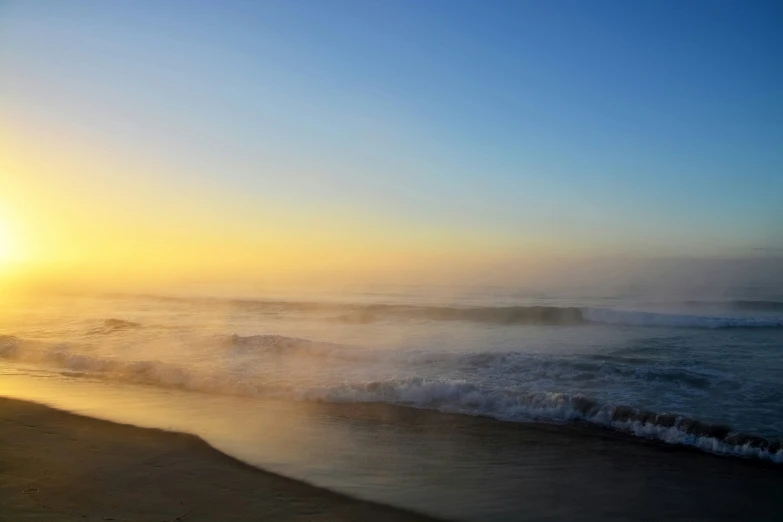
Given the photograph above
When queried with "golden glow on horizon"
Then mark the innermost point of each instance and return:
(91, 213)
(74, 209)
(10, 250)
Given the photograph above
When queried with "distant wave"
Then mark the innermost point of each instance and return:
(282, 345)
(740, 304)
(113, 325)
(632, 318)
(446, 395)
(759, 305)
(545, 315)
(594, 368)
(507, 315)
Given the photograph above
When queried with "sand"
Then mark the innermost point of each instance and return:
(60, 466)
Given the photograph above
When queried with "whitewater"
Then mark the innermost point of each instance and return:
(705, 374)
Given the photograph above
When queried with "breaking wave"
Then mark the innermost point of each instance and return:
(464, 397)
(507, 315)
(553, 315)
(446, 395)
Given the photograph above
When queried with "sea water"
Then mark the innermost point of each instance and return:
(324, 387)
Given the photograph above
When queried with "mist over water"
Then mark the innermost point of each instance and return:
(688, 369)
(412, 395)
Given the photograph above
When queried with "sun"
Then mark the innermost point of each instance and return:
(9, 249)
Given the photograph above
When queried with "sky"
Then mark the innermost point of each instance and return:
(420, 137)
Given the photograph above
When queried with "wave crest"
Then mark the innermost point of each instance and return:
(509, 315)
(112, 325)
(467, 398)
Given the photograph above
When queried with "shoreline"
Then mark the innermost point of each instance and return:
(452, 466)
(57, 465)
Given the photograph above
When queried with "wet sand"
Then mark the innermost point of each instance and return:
(54, 464)
(60, 466)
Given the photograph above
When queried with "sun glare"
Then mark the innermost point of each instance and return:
(8, 246)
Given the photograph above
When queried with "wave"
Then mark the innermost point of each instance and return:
(594, 368)
(758, 305)
(551, 315)
(446, 395)
(282, 345)
(113, 325)
(740, 304)
(463, 397)
(554, 315)
(633, 318)
(522, 366)
(507, 315)
(135, 371)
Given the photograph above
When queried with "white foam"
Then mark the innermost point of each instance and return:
(672, 435)
(463, 397)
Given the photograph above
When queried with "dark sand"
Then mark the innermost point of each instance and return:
(59, 466)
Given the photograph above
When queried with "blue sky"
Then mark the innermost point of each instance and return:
(605, 126)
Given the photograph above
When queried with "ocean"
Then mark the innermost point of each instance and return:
(469, 403)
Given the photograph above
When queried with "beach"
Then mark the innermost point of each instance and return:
(511, 261)
(60, 466)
